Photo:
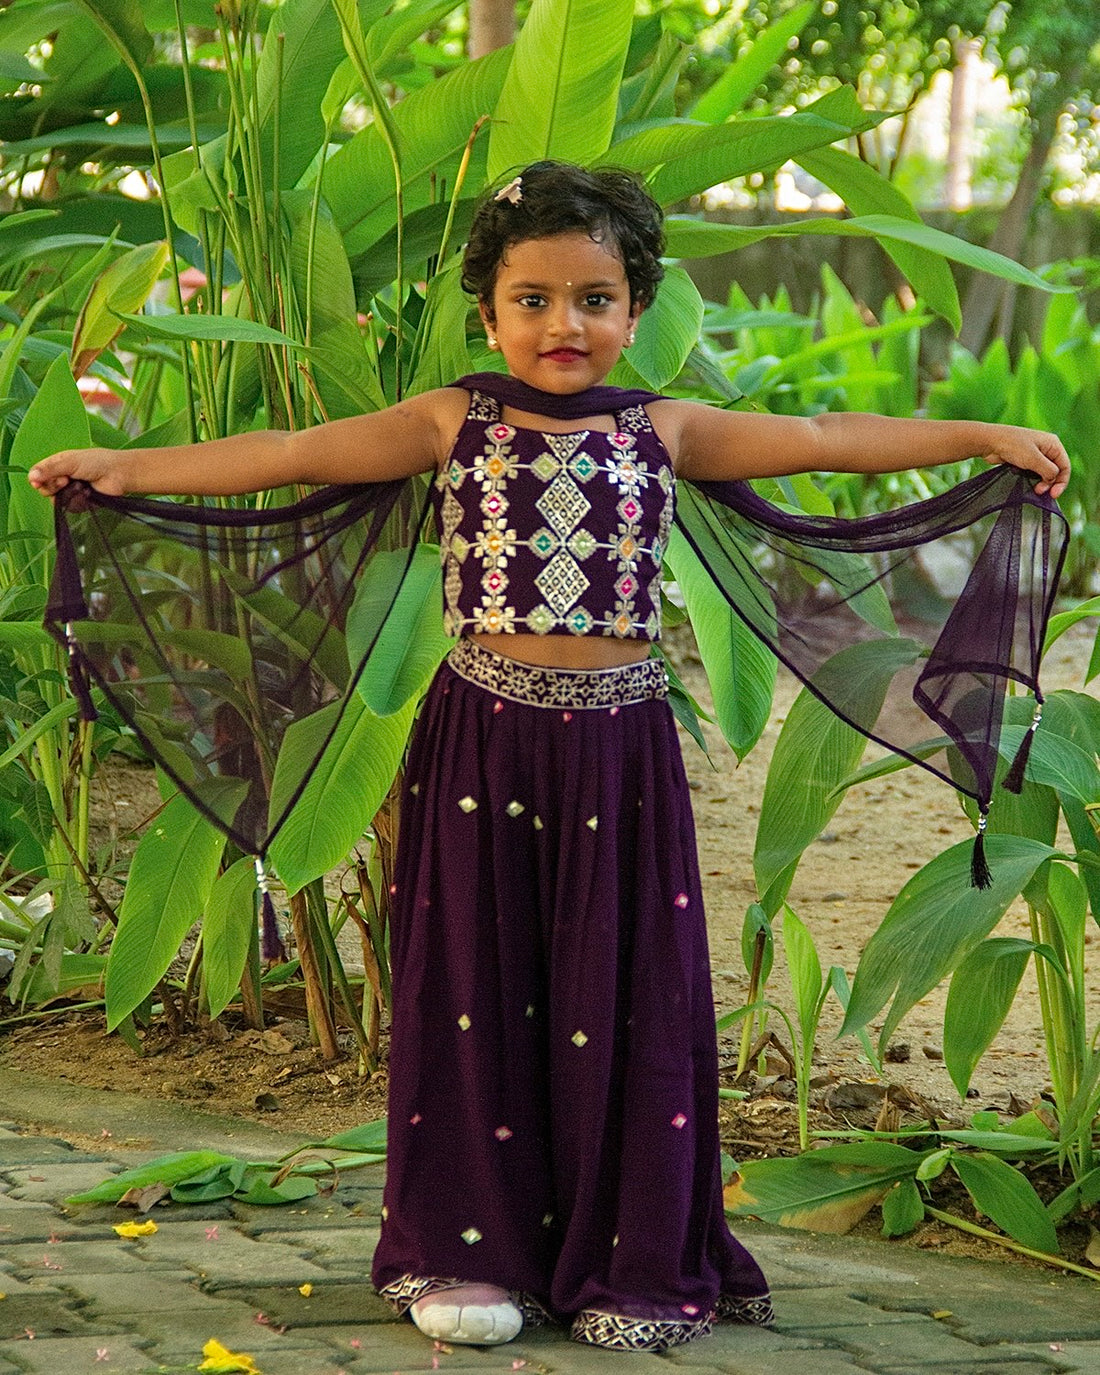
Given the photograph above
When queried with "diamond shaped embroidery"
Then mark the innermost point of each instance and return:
(582, 544)
(494, 504)
(564, 505)
(579, 1039)
(544, 543)
(464, 1022)
(471, 1235)
(579, 621)
(630, 508)
(467, 803)
(561, 582)
(540, 621)
(546, 467)
(583, 467)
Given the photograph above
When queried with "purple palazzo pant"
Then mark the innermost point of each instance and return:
(553, 1072)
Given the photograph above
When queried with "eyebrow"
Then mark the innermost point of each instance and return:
(578, 286)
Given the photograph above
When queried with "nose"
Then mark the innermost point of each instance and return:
(564, 318)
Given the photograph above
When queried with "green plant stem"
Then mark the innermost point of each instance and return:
(85, 731)
(1044, 980)
(62, 1010)
(753, 996)
(975, 1230)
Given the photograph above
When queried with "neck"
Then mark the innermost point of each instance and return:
(521, 396)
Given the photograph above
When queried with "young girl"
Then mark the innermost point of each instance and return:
(553, 1072)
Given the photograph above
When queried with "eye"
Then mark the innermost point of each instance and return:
(597, 300)
(532, 300)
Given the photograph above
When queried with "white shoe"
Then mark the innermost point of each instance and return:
(470, 1314)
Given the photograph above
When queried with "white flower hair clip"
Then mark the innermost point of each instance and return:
(513, 192)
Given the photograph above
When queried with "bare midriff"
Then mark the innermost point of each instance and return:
(566, 651)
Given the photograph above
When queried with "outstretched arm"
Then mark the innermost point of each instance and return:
(410, 437)
(711, 444)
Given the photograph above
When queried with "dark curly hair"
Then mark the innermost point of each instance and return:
(611, 206)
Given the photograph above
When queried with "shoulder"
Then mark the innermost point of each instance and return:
(441, 411)
(677, 424)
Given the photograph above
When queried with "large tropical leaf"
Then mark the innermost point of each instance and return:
(124, 286)
(434, 124)
(815, 751)
(344, 369)
(1005, 1195)
(693, 238)
(1056, 762)
(170, 878)
(731, 92)
(55, 419)
(740, 668)
(410, 640)
(561, 94)
(982, 990)
(124, 27)
(822, 1191)
(227, 931)
(344, 787)
(865, 191)
(689, 158)
(936, 919)
(667, 332)
(301, 50)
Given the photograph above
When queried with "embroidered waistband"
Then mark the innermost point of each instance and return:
(576, 689)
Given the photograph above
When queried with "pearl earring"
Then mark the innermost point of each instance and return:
(491, 340)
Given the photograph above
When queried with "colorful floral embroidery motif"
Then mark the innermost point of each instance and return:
(598, 533)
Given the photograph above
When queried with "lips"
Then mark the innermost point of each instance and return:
(564, 355)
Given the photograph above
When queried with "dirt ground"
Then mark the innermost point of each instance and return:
(880, 835)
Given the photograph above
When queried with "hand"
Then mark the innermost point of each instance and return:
(101, 468)
(1034, 451)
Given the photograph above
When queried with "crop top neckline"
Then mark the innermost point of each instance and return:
(521, 396)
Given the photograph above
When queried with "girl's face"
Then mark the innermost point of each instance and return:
(561, 312)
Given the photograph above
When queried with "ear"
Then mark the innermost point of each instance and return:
(488, 318)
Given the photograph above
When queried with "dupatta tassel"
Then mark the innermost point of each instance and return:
(980, 877)
(271, 945)
(1014, 778)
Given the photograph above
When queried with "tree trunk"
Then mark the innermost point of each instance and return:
(960, 133)
(988, 299)
(492, 26)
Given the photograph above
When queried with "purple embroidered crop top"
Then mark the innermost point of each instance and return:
(554, 533)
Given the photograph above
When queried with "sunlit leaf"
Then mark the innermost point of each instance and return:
(171, 875)
(982, 990)
(398, 600)
(165, 1169)
(822, 1191)
(560, 96)
(342, 788)
(815, 750)
(228, 925)
(740, 668)
(936, 919)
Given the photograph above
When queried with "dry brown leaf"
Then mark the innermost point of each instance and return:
(144, 1199)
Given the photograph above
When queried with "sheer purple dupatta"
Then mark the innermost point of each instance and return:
(835, 630)
(133, 610)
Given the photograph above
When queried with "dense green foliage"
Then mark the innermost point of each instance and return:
(318, 164)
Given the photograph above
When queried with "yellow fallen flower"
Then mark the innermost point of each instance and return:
(135, 1229)
(305, 1290)
(221, 1361)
